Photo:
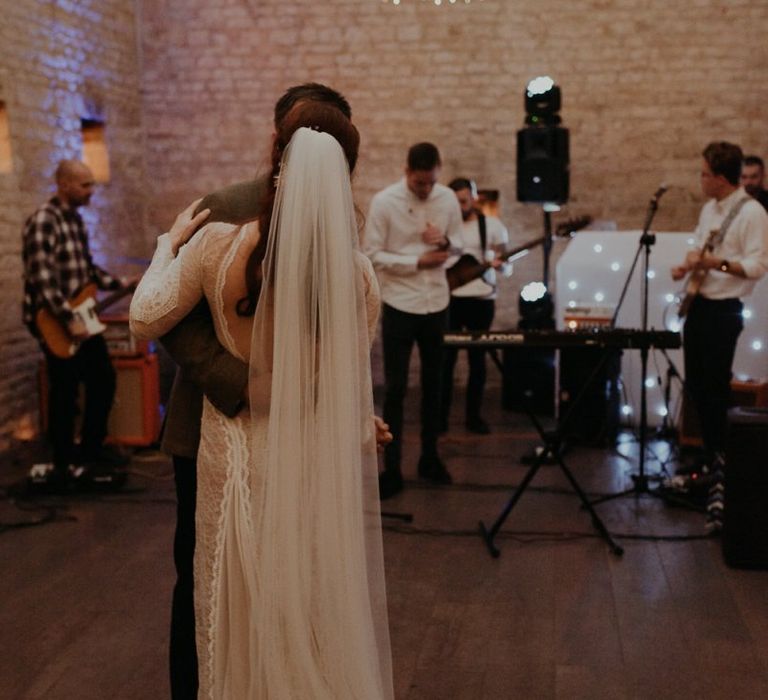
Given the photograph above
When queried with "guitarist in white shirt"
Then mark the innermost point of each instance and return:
(472, 305)
(57, 264)
(722, 270)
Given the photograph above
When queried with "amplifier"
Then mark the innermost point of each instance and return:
(135, 415)
(120, 341)
(745, 508)
(743, 393)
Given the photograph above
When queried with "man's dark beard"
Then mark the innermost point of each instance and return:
(467, 215)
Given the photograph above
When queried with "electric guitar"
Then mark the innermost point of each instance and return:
(468, 267)
(696, 277)
(56, 335)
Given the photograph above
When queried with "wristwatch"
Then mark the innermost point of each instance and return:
(724, 266)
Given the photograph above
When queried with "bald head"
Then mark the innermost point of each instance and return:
(74, 183)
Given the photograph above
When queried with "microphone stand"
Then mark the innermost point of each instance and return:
(647, 239)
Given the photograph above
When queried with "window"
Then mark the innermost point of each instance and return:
(6, 157)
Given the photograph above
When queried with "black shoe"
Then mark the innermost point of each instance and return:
(107, 456)
(432, 469)
(479, 426)
(390, 484)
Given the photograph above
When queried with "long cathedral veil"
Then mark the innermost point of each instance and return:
(316, 600)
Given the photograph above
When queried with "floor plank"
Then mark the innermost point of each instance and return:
(86, 597)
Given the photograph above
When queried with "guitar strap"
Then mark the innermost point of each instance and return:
(728, 220)
(483, 231)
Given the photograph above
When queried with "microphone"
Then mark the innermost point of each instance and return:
(663, 187)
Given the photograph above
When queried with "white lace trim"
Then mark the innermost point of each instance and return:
(219, 291)
(157, 294)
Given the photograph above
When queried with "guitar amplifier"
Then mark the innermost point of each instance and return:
(120, 341)
(135, 416)
(745, 506)
(747, 393)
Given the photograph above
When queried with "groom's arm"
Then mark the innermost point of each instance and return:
(236, 204)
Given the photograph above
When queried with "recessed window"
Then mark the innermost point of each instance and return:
(6, 157)
(95, 154)
(488, 202)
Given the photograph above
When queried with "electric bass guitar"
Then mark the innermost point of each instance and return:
(696, 277)
(468, 267)
(55, 334)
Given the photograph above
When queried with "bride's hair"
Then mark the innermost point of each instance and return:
(314, 115)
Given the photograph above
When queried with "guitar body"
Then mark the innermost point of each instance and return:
(468, 267)
(464, 270)
(695, 278)
(56, 336)
(691, 290)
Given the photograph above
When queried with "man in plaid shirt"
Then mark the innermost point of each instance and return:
(57, 264)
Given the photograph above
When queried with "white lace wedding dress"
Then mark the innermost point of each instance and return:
(275, 624)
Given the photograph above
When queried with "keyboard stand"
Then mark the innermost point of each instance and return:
(553, 442)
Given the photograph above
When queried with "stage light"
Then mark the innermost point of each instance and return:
(535, 306)
(533, 291)
(542, 102)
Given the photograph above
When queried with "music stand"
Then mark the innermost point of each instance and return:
(647, 239)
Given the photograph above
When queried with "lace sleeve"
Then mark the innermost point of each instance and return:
(169, 290)
(372, 296)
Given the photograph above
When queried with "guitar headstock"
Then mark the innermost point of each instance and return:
(567, 228)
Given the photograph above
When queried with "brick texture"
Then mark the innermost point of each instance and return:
(61, 62)
(644, 89)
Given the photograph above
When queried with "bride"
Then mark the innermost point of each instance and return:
(289, 582)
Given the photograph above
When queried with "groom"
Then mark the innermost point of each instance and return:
(206, 368)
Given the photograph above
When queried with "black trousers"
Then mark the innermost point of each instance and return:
(183, 652)
(92, 367)
(711, 330)
(471, 314)
(400, 330)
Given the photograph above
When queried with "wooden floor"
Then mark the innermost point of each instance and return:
(85, 596)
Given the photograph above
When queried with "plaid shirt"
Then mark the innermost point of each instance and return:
(57, 261)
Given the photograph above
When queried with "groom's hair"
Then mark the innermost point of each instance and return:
(310, 92)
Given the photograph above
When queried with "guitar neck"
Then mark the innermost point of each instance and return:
(113, 298)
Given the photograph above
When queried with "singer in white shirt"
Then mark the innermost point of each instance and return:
(410, 233)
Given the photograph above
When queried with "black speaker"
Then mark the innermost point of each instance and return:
(590, 395)
(543, 164)
(528, 380)
(745, 507)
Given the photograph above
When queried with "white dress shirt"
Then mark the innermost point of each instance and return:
(393, 242)
(745, 242)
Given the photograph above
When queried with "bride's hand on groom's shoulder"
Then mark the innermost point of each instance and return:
(186, 224)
